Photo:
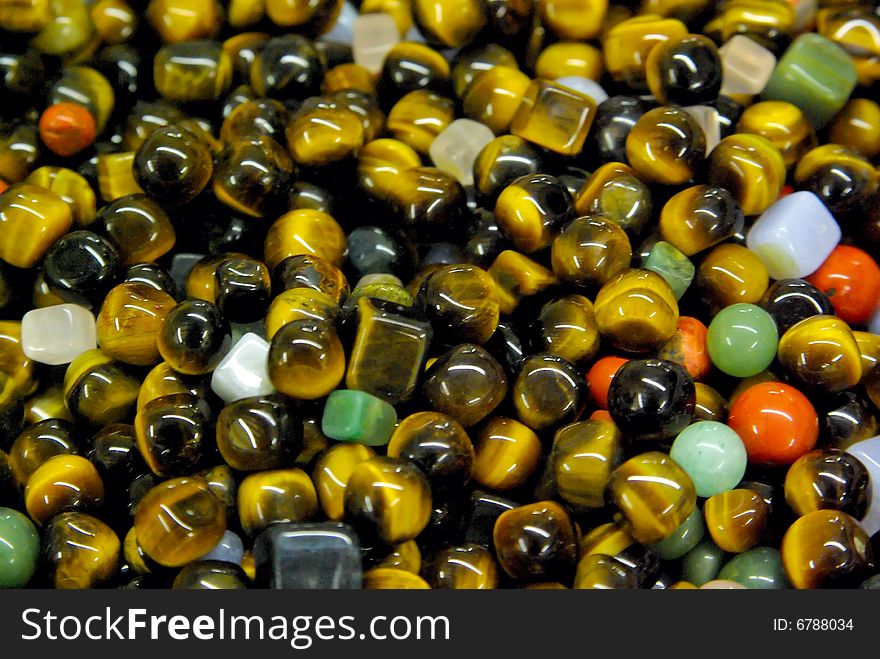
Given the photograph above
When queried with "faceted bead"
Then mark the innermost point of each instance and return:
(821, 354)
(456, 149)
(81, 551)
(243, 372)
(31, 220)
(129, 322)
(356, 416)
(548, 392)
(506, 453)
(672, 265)
(306, 359)
(827, 549)
(637, 310)
(742, 340)
(308, 556)
(750, 168)
(64, 482)
(736, 519)
(747, 66)
(466, 383)
(174, 433)
(712, 454)
(281, 496)
(758, 568)
(794, 236)
(554, 117)
(374, 35)
(465, 567)
(536, 542)
(98, 389)
(666, 145)
(259, 433)
(683, 539)
(654, 494)
(179, 521)
(583, 457)
(815, 74)
(387, 499)
(58, 334)
(19, 549)
(589, 251)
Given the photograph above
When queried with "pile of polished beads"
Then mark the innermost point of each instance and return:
(439, 294)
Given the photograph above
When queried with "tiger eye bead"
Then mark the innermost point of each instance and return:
(387, 499)
(821, 354)
(332, 472)
(536, 542)
(750, 168)
(531, 209)
(129, 322)
(684, 70)
(98, 390)
(466, 383)
(192, 71)
(517, 277)
(242, 289)
(184, 20)
(506, 453)
(494, 95)
(258, 433)
(847, 418)
(589, 251)
(731, 274)
(306, 232)
(637, 310)
(114, 454)
(548, 392)
(857, 126)
(39, 443)
(595, 571)
(783, 124)
(275, 497)
(71, 187)
(80, 551)
(31, 219)
(501, 162)
(654, 494)
(827, 549)
(325, 136)
(179, 521)
(459, 303)
(64, 482)
(615, 193)
(584, 455)
(163, 381)
(698, 217)
(627, 44)
(85, 86)
(410, 66)
(174, 433)
(81, 268)
(194, 337)
(288, 67)
(449, 25)
(790, 301)
(252, 175)
(211, 575)
(313, 272)
(428, 205)
(138, 227)
(311, 18)
(115, 175)
(306, 359)
(566, 327)
(828, 479)
(299, 304)
(845, 181)
(468, 567)
(736, 519)
(262, 116)
(554, 117)
(389, 578)
(666, 145)
(173, 165)
(418, 117)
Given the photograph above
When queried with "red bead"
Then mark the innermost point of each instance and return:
(3, 186)
(851, 280)
(599, 378)
(688, 348)
(776, 422)
(67, 128)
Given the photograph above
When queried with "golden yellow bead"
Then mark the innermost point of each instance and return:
(736, 519)
(573, 19)
(115, 175)
(130, 320)
(18, 377)
(417, 118)
(517, 276)
(72, 188)
(185, 20)
(494, 96)
(821, 353)
(331, 474)
(81, 551)
(627, 44)
(783, 124)
(389, 578)
(62, 483)
(507, 453)
(569, 58)
(275, 497)
(306, 359)
(304, 231)
(730, 274)
(32, 218)
(98, 389)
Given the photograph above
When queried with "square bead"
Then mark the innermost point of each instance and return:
(747, 66)
(356, 416)
(814, 74)
(584, 86)
(457, 147)
(308, 556)
(374, 35)
(868, 452)
(555, 117)
(794, 236)
(58, 334)
(244, 371)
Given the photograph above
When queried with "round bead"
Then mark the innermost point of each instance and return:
(531, 209)
(850, 278)
(258, 433)
(742, 340)
(828, 479)
(64, 482)
(19, 549)
(468, 567)
(637, 311)
(67, 128)
(130, 321)
(81, 551)
(333, 469)
(194, 337)
(583, 457)
(548, 392)
(821, 354)
(666, 145)
(590, 251)
(281, 496)
(306, 359)
(790, 301)
(173, 165)
(712, 454)
(684, 71)
(459, 302)
(736, 519)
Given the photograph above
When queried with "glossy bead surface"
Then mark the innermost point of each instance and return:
(736, 519)
(758, 568)
(712, 454)
(747, 66)
(58, 334)
(583, 456)
(99, 389)
(466, 383)
(654, 494)
(750, 168)
(333, 468)
(277, 496)
(790, 301)
(731, 274)
(80, 551)
(306, 359)
(684, 71)
(683, 539)
(194, 337)
(821, 354)
(19, 549)
(590, 251)
(356, 416)
(459, 302)
(742, 340)
(783, 124)
(554, 117)
(665, 146)
(850, 278)
(548, 392)
(531, 209)
(828, 479)
(258, 433)
(174, 433)
(129, 322)
(243, 372)
(637, 310)
(506, 453)
(64, 482)
(699, 217)
(31, 220)
(307, 232)
(536, 542)
(173, 165)
(467, 567)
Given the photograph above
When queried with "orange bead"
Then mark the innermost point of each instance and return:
(3, 186)
(602, 415)
(599, 378)
(67, 128)
(851, 280)
(688, 347)
(776, 423)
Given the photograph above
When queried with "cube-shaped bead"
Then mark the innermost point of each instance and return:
(585, 86)
(747, 66)
(356, 416)
(555, 117)
(373, 36)
(308, 556)
(457, 147)
(794, 236)
(814, 74)
(672, 265)
(244, 370)
(868, 452)
(57, 334)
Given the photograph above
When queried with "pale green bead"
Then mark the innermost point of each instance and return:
(683, 539)
(742, 340)
(19, 548)
(758, 568)
(712, 454)
(702, 563)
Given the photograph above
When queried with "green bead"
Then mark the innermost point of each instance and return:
(702, 563)
(356, 416)
(19, 548)
(712, 454)
(814, 74)
(683, 539)
(758, 568)
(742, 340)
(672, 265)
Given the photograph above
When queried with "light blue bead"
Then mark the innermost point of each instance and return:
(868, 452)
(230, 549)
(712, 454)
(342, 29)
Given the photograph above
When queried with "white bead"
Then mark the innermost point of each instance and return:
(707, 117)
(457, 147)
(341, 30)
(58, 334)
(377, 278)
(868, 452)
(244, 371)
(584, 86)
(374, 36)
(746, 65)
(794, 236)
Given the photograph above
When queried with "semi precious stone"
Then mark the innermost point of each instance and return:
(356, 416)
(19, 549)
(868, 451)
(712, 454)
(457, 147)
(373, 36)
(676, 268)
(759, 568)
(243, 372)
(683, 539)
(742, 340)
(57, 334)
(747, 66)
(230, 549)
(585, 86)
